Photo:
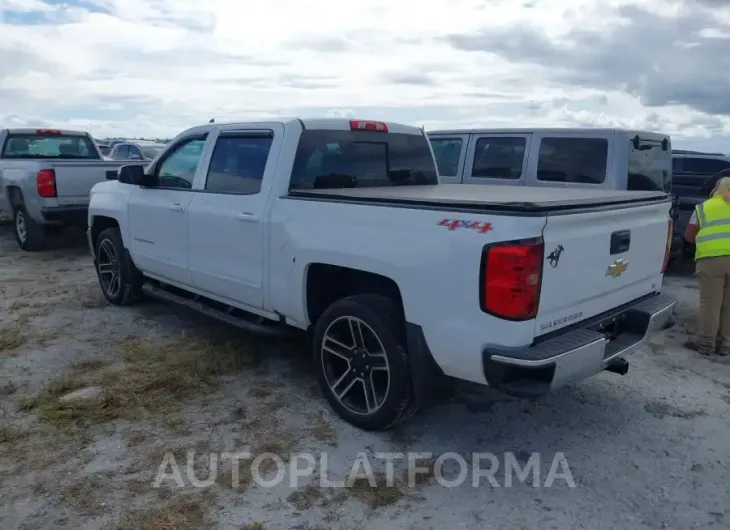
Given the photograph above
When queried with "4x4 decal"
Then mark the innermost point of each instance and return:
(479, 226)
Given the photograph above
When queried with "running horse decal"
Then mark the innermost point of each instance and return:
(554, 256)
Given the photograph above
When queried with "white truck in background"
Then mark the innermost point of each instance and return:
(45, 179)
(341, 229)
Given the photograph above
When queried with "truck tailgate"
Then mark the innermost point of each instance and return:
(75, 179)
(597, 261)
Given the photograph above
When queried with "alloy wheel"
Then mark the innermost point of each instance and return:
(20, 227)
(355, 365)
(108, 265)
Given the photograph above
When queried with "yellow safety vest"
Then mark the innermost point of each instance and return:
(713, 237)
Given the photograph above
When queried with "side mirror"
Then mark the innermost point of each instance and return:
(132, 174)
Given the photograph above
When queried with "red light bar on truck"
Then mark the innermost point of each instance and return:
(48, 131)
(362, 125)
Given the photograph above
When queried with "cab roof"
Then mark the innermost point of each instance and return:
(334, 124)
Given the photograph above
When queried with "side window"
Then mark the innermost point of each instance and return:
(134, 153)
(121, 151)
(238, 164)
(715, 166)
(177, 169)
(694, 165)
(447, 152)
(498, 158)
(576, 160)
(708, 166)
(677, 165)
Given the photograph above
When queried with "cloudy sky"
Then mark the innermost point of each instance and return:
(155, 67)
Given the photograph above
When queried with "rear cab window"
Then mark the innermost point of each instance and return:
(327, 159)
(48, 145)
(650, 163)
(572, 160)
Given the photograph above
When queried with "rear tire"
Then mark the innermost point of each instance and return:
(120, 281)
(362, 362)
(30, 235)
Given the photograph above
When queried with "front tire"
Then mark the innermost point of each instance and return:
(120, 281)
(362, 363)
(30, 235)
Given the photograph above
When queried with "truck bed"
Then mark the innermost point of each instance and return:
(510, 199)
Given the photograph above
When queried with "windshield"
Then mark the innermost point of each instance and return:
(650, 166)
(58, 146)
(151, 152)
(348, 159)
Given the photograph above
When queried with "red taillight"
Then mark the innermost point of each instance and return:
(511, 279)
(361, 125)
(48, 131)
(45, 181)
(668, 250)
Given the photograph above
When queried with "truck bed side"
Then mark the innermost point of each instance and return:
(436, 268)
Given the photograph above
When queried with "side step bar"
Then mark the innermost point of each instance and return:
(197, 304)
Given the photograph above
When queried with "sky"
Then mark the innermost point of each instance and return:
(151, 68)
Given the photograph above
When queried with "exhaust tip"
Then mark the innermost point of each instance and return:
(619, 366)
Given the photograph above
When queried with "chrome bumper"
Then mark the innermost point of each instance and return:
(576, 354)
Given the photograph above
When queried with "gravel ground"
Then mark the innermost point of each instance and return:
(647, 450)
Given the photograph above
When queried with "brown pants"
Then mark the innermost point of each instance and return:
(714, 316)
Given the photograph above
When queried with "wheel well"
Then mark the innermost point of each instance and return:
(328, 283)
(100, 224)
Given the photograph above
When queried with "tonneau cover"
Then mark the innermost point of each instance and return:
(498, 197)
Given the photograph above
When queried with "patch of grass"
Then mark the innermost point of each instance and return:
(237, 482)
(91, 297)
(12, 435)
(263, 389)
(11, 338)
(24, 317)
(186, 513)
(323, 431)
(85, 495)
(49, 335)
(305, 498)
(8, 389)
(254, 526)
(378, 495)
(154, 379)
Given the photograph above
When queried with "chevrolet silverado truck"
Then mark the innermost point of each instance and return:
(341, 229)
(45, 179)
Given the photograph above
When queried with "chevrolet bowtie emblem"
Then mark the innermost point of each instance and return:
(617, 268)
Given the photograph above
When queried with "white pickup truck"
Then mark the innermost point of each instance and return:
(45, 179)
(341, 228)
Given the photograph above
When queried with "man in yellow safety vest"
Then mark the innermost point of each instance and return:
(709, 230)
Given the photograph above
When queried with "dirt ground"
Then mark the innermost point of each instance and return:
(646, 450)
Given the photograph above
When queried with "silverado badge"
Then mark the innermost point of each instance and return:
(617, 268)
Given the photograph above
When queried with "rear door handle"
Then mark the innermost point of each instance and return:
(177, 207)
(248, 217)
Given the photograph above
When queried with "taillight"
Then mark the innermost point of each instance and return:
(362, 125)
(45, 181)
(511, 279)
(668, 250)
(48, 131)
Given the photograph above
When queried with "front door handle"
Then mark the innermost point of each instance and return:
(247, 216)
(177, 207)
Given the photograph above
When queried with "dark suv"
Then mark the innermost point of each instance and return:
(692, 182)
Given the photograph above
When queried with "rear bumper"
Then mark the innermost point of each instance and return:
(576, 354)
(66, 215)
